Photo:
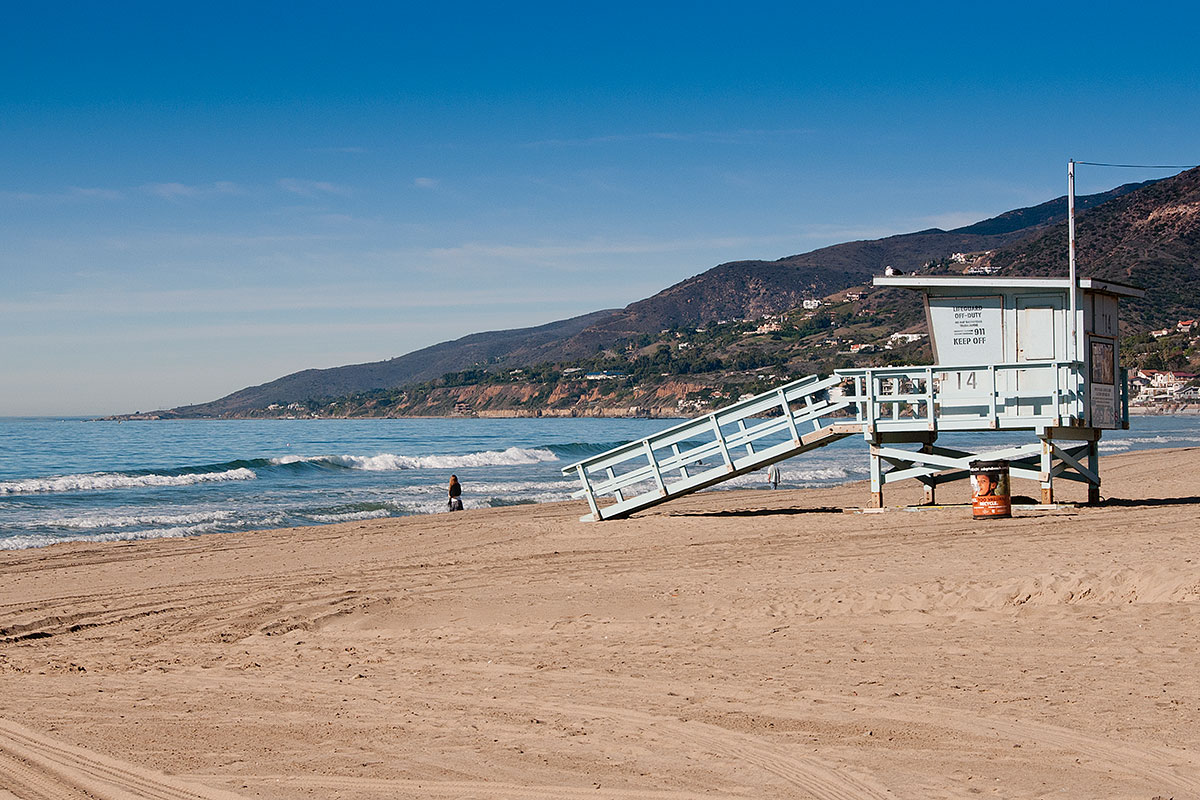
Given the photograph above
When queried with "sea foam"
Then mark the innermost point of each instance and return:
(26, 541)
(93, 521)
(390, 462)
(103, 481)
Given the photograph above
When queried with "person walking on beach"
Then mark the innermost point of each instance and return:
(455, 503)
(773, 476)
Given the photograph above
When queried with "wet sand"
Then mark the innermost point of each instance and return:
(746, 644)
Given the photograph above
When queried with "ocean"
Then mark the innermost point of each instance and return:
(82, 480)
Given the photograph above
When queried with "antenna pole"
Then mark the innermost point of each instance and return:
(1071, 255)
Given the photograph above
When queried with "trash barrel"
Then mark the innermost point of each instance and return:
(990, 496)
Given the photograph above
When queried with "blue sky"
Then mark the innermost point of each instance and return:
(199, 197)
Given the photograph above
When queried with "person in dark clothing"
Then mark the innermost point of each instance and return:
(455, 503)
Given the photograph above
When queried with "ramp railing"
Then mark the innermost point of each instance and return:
(694, 455)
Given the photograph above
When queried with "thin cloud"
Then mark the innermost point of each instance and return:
(306, 188)
(426, 183)
(74, 193)
(175, 190)
(742, 136)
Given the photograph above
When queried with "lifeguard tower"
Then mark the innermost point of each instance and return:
(1031, 355)
(1009, 355)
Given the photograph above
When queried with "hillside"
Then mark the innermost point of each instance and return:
(1139, 233)
(1150, 238)
(420, 365)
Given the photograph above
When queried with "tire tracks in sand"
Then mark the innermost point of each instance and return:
(37, 767)
(1166, 769)
(820, 779)
(492, 790)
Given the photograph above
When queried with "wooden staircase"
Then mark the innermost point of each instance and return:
(746, 436)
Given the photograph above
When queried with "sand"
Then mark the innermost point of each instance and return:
(749, 644)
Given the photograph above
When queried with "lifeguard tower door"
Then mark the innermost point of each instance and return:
(1037, 339)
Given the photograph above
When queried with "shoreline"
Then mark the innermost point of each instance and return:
(747, 643)
(1188, 410)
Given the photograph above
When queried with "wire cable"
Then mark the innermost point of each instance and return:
(1140, 166)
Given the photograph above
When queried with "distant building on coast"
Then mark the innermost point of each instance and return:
(1156, 387)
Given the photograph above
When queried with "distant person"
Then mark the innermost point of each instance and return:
(455, 503)
(773, 476)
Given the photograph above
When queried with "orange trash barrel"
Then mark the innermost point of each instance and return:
(990, 496)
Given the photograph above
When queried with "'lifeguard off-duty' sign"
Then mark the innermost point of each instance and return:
(968, 330)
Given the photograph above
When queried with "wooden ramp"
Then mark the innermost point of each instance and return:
(741, 438)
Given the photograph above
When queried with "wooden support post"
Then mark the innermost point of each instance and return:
(876, 478)
(869, 416)
(930, 417)
(930, 482)
(1047, 476)
(993, 417)
(587, 491)
(1093, 462)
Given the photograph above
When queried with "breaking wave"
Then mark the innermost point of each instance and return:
(93, 521)
(390, 462)
(26, 541)
(249, 469)
(103, 481)
(1141, 442)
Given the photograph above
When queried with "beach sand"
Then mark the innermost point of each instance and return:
(749, 644)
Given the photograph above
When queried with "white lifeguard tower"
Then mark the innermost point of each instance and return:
(1010, 354)
(1036, 355)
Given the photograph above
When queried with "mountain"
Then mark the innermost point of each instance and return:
(1023, 241)
(420, 365)
(1149, 238)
